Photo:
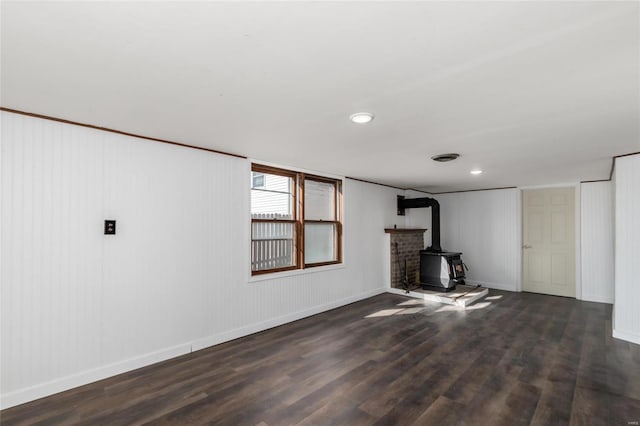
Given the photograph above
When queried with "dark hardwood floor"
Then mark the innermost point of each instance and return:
(514, 358)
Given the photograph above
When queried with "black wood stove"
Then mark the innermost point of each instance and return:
(439, 270)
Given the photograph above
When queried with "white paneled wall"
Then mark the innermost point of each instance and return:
(627, 249)
(78, 305)
(485, 226)
(597, 241)
(51, 250)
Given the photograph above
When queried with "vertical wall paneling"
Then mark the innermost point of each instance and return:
(615, 229)
(578, 236)
(51, 247)
(485, 226)
(78, 305)
(627, 249)
(518, 243)
(597, 241)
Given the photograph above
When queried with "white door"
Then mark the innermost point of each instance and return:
(548, 241)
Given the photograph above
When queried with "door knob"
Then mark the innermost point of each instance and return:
(526, 246)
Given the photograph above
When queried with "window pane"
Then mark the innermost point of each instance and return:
(257, 180)
(272, 245)
(319, 200)
(319, 242)
(274, 200)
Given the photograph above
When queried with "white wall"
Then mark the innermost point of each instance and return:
(627, 249)
(597, 241)
(78, 306)
(485, 226)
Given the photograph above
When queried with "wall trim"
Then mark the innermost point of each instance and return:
(626, 335)
(595, 181)
(120, 132)
(32, 393)
(475, 190)
(294, 272)
(376, 183)
(106, 129)
(42, 390)
(596, 299)
(226, 336)
(613, 162)
(550, 186)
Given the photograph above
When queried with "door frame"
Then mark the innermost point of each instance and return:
(578, 231)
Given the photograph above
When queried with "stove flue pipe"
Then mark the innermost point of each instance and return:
(415, 203)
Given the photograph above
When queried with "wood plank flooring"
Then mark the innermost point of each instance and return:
(514, 358)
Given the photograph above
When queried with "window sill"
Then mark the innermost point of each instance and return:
(285, 274)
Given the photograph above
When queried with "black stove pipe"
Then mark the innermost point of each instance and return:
(414, 203)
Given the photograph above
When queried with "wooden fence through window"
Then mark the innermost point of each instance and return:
(272, 242)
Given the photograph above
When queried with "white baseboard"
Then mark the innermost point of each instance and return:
(41, 390)
(495, 286)
(216, 339)
(628, 336)
(596, 298)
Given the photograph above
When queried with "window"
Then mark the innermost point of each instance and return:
(321, 243)
(295, 220)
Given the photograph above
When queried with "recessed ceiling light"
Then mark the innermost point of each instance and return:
(361, 117)
(476, 172)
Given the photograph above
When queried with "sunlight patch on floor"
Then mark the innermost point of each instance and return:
(411, 302)
(401, 311)
(475, 306)
(410, 311)
(384, 313)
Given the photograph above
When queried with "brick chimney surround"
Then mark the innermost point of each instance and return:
(410, 242)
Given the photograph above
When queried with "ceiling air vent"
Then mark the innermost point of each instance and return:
(443, 158)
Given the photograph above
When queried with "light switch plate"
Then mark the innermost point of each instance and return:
(109, 227)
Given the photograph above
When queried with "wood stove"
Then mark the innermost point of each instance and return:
(441, 271)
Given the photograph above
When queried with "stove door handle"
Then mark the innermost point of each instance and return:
(526, 246)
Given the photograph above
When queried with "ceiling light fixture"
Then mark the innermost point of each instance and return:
(361, 117)
(476, 172)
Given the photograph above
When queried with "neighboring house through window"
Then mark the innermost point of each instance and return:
(257, 180)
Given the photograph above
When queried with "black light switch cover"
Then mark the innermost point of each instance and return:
(109, 227)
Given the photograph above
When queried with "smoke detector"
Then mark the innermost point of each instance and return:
(443, 158)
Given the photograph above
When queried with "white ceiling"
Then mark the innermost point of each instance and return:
(533, 93)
